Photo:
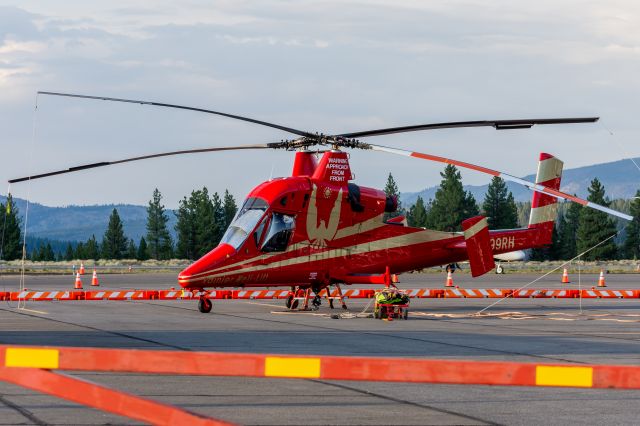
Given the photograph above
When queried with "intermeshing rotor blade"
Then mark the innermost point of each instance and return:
(497, 124)
(208, 111)
(531, 185)
(143, 157)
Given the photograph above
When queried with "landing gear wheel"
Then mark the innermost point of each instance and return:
(316, 303)
(291, 303)
(204, 305)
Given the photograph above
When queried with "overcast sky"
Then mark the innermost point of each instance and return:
(319, 66)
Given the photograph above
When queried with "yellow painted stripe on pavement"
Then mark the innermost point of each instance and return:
(292, 367)
(33, 358)
(564, 376)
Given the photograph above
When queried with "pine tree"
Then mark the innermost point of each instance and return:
(37, 255)
(452, 204)
(80, 252)
(12, 247)
(159, 242)
(143, 253)
(558, 242)
(594, 226)
(49, 255)
(208, 213)
(92, 249)
(499, 206)
(114, 243)
(524, 211)
(69, 253)
(631, 247)
(418, 214)
(132, 251)
(391, 189)
(220, 220)
(186, 229)
(569, 231)
(230, 208)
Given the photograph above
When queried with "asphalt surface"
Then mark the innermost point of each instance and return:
(528, 330)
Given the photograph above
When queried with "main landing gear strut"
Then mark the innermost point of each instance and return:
(296, 294)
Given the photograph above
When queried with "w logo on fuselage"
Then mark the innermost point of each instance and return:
(320, 232)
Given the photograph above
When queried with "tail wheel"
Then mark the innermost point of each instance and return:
(204, 305)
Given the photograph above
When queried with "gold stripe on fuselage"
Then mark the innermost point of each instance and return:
(414, 238)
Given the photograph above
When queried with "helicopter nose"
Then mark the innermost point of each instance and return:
(198, 273)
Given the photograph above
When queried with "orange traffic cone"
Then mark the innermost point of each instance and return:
(81, 268)
(601, 282)
(565, 277)
(449, 282)
(94, 279)
(78, 284)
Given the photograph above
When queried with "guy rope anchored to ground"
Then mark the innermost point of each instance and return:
(480, 312)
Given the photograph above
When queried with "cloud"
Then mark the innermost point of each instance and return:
(328, 66)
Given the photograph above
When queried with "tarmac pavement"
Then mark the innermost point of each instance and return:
(525, 330)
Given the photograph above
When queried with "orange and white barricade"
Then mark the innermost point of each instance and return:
(115, 295)
(173, 294)
(424, 293)
(358, 294)
(610, 294)
(46, 295)
(561, 294)
(474, 293)
(260, 294)
(528, 293)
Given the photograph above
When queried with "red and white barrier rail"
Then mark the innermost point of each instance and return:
(421, 293)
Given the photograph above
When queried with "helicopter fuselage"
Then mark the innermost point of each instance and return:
(315, 228)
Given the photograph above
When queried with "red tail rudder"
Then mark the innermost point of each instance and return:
(544, 208)
(476, 235)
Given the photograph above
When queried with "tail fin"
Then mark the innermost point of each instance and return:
(544, 208)
(476, 235)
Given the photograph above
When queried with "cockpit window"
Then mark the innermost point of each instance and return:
(279, 233)
(247, 218)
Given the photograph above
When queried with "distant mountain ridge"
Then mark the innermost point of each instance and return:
(621, 179)
(77, 223)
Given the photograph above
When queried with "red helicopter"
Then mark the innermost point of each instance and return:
(317, 228)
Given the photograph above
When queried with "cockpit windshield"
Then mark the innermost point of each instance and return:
(245, 221)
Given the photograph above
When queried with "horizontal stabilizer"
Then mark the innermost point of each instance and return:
(476, 235)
